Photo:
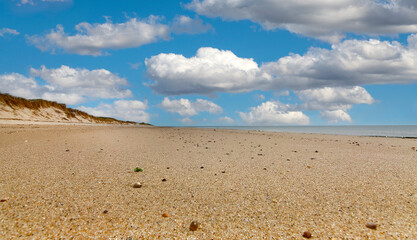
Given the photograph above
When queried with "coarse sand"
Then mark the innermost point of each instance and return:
(68, 181)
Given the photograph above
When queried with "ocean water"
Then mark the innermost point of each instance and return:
(403, 131)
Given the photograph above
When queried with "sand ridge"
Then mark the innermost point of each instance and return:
(76, 181)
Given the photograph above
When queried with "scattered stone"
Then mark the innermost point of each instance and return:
(67, 150)
(3, 200)
(165, 215)
(264, 168)
(164, 179)
(105, 211)
(371, 225)
(167, 167)
(307, 234)
(223, 171)
(202, 167)
(137, 185)
(316, 151)
(288, 159)
(413, 148)
(194, 225)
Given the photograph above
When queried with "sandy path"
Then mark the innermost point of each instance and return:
(76, 181)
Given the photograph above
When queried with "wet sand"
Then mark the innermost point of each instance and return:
(70, 181)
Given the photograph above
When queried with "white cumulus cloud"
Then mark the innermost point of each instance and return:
(129, 110)
(187, 108)
(333, 103)
(66, 85)
(211, 70)
(274, 113)
(334, 98)
(91, 39)
(325, 19)
(335, 116)
(347, 64)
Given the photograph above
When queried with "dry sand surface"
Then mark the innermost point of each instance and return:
(76, 182)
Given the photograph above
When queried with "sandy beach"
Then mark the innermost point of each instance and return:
(67, 181)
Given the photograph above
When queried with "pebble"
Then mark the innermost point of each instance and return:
(307, 234)
(194, 225)
(164, 179)
(3, 200)
(413, 148)
(137, 185)
(165, 215)
(105, 211)
(371, 225)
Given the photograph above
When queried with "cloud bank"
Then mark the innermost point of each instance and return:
(325, 20)
(347, 64)
(93, 39)
(66, 85)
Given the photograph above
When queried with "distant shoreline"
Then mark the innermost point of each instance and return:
(385, 131)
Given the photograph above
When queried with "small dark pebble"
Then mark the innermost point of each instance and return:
(371, 225)
(3, 200)
(167, 167)
(105, 211)
(307, 234)
(164, 179)
(194, 225)
(316, 151)
(67, 150)
(413, 148)
(288, 159)
(223, 171)
(202, 167)
(264, 168)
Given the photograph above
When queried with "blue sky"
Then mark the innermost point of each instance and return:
(217, 62)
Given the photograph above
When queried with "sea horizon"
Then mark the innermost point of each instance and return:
(400, 131)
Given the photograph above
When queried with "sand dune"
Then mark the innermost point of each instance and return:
(77, 181)
(19, 110)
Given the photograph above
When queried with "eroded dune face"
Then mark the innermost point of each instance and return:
(39, 110)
